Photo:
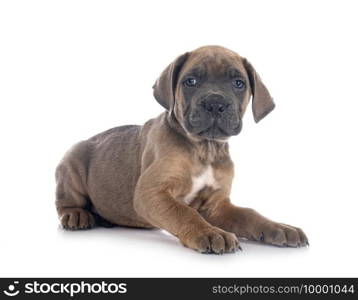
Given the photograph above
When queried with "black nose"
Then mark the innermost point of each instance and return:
(215, 104)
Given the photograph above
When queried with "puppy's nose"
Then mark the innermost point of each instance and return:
(215, 104)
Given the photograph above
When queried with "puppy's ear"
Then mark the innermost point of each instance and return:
(164, 87)
(262, 102)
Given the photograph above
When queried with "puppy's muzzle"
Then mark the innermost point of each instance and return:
(214, 116)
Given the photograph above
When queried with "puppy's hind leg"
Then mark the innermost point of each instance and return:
(72, 202)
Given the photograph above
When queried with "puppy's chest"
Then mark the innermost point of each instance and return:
(205, 179)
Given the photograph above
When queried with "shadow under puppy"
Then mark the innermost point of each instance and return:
(175, 172)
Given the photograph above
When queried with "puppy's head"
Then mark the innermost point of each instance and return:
(208, 91)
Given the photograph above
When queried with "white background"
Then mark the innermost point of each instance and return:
(71, 69)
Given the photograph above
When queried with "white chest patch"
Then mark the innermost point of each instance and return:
(205, 179)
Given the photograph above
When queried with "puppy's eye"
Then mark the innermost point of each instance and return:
(240, 84)
(190, 81)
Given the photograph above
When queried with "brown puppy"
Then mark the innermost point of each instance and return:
(175, 172)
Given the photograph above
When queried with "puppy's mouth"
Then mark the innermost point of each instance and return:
(205, 126)
(212, 131)
(215, 131)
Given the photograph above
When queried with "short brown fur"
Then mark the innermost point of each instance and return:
(138, 176)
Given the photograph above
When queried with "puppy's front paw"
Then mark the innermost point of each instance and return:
(281, 235)
(212, 240)
(76, 218)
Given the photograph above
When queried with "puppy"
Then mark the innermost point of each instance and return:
(175, 171)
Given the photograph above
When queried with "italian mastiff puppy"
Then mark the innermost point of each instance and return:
(175, 171)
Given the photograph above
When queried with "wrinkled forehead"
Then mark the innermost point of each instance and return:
(214, 62)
